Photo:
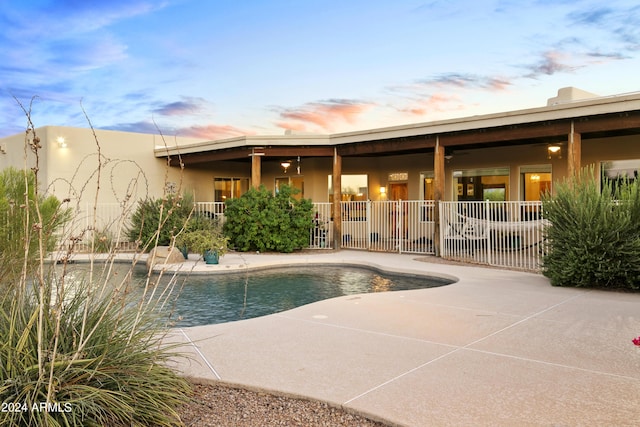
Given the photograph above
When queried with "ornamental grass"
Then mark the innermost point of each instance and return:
(78, 351)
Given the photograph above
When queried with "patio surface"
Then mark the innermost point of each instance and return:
(498, 348)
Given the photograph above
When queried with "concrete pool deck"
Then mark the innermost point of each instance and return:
(498, 347)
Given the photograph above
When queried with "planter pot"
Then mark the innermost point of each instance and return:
(184, 251)
(211, 257)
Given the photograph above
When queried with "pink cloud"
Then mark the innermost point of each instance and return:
(212, 132)
(552, 62)
(292, 126)
(323, 114)
(432, 103)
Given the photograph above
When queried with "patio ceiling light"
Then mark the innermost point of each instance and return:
(553, 150)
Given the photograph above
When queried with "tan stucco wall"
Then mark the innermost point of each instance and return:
(12, 153)
(129, 167)
(599, 150)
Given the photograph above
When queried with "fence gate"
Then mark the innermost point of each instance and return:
(388, 226)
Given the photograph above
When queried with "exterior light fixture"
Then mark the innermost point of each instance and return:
(62, 142)
(285, 165)
(553, 150)
(383, 191)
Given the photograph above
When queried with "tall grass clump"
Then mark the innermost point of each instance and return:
(79, 350)
(594, 235)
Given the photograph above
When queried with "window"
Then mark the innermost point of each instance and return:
(481, 184)
(354, 188)
(229, 188)
(428, 189)
(534, 181)
(620, 171)
(293, 181)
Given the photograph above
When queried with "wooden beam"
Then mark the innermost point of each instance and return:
(438, 191)
(506, 133)
(387, 146)
(256, 171)
(574, 148)
(629, 120)
(212, 156)
(323, 151)
(244, 152)
(337, 198)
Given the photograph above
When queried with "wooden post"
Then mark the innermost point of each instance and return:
(438, 191)
(337, 197)
(256, 169)
(574, 152)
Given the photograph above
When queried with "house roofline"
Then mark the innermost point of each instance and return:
(563, 111)
(571, 109)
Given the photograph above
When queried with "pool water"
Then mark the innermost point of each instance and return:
(224, 298)
(220, 298)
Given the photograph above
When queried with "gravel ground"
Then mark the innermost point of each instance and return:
(220, 406)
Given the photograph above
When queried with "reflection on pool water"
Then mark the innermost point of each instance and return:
(219, 298)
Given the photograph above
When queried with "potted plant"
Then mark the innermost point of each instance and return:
(204, 236)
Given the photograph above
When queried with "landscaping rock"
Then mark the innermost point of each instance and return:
(164, 255)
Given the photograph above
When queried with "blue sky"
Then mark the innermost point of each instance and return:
(217, 69)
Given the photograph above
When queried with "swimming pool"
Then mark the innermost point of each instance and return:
(220, 298)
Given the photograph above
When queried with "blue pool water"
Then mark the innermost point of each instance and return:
(219, 298)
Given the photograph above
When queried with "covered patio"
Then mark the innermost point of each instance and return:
(558, 130)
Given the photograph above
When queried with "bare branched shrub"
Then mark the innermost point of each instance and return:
(77, 349)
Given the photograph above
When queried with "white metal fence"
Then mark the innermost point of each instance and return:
(321, 234)
(506, 234)
(209, 209)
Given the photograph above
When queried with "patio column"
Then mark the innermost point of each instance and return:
(438, 191)
(574, 152)
(256, 168)
(337, 197)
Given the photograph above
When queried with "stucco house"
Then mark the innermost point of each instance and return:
(512, 155)
(505, 156)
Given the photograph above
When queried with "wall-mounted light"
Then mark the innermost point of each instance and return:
(383, 191)
(553, 150)
(285, 165)
(62, 142)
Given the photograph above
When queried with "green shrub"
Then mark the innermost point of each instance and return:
(203, 234)
(594, 237)
(23, 213)
(260, 221)
(156, 221)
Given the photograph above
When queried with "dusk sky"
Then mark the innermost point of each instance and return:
(218, 69)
